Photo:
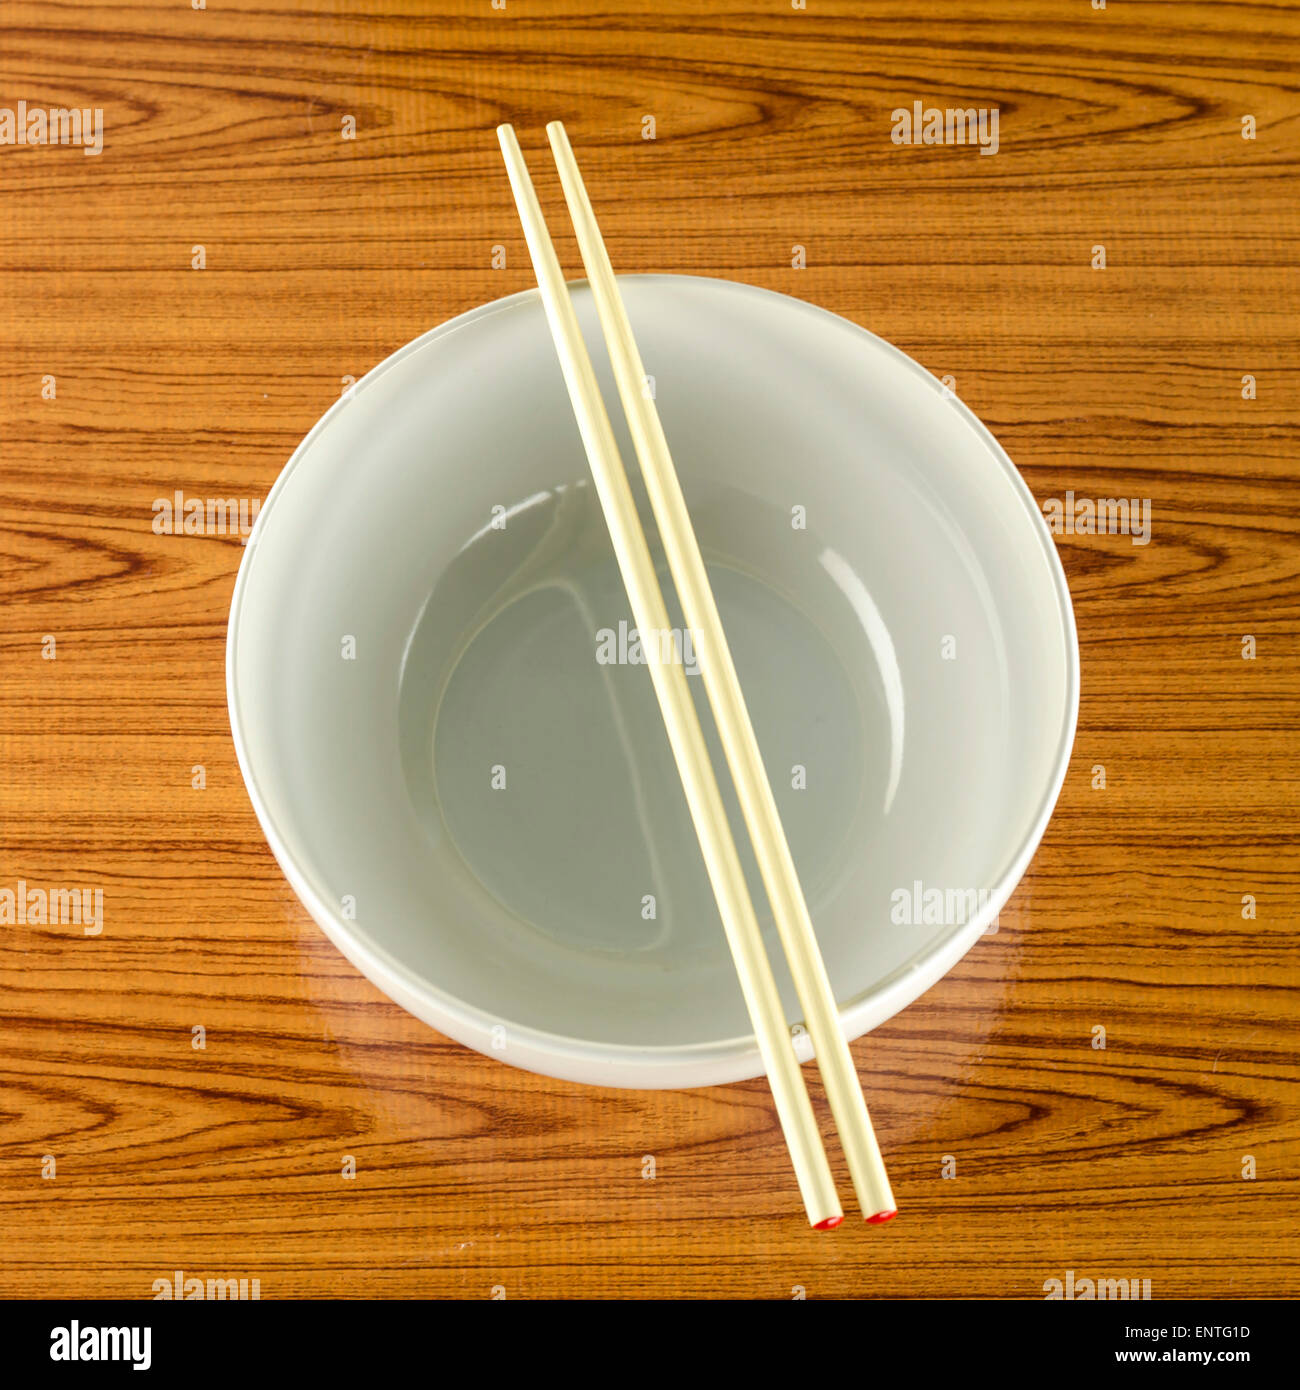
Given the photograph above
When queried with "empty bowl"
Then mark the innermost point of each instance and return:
(457, 757)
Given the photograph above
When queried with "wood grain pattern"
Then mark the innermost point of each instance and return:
(1120, 128)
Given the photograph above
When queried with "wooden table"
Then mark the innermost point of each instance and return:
(128, 374)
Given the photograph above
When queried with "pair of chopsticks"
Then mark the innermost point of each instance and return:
(685, 735)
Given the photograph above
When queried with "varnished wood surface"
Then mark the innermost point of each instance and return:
(223, 127)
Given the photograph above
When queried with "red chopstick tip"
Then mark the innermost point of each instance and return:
(882, 1216)
(829, 1224)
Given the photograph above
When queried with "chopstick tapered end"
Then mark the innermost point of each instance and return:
(829, 1224)
(882, 1216)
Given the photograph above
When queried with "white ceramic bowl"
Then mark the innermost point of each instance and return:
(483, 814)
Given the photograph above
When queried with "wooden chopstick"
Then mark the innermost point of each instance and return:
(843, 1089)
(685, 735)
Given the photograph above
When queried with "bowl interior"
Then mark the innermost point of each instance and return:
(436, 689)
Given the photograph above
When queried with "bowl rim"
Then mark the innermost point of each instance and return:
(666, 1064)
